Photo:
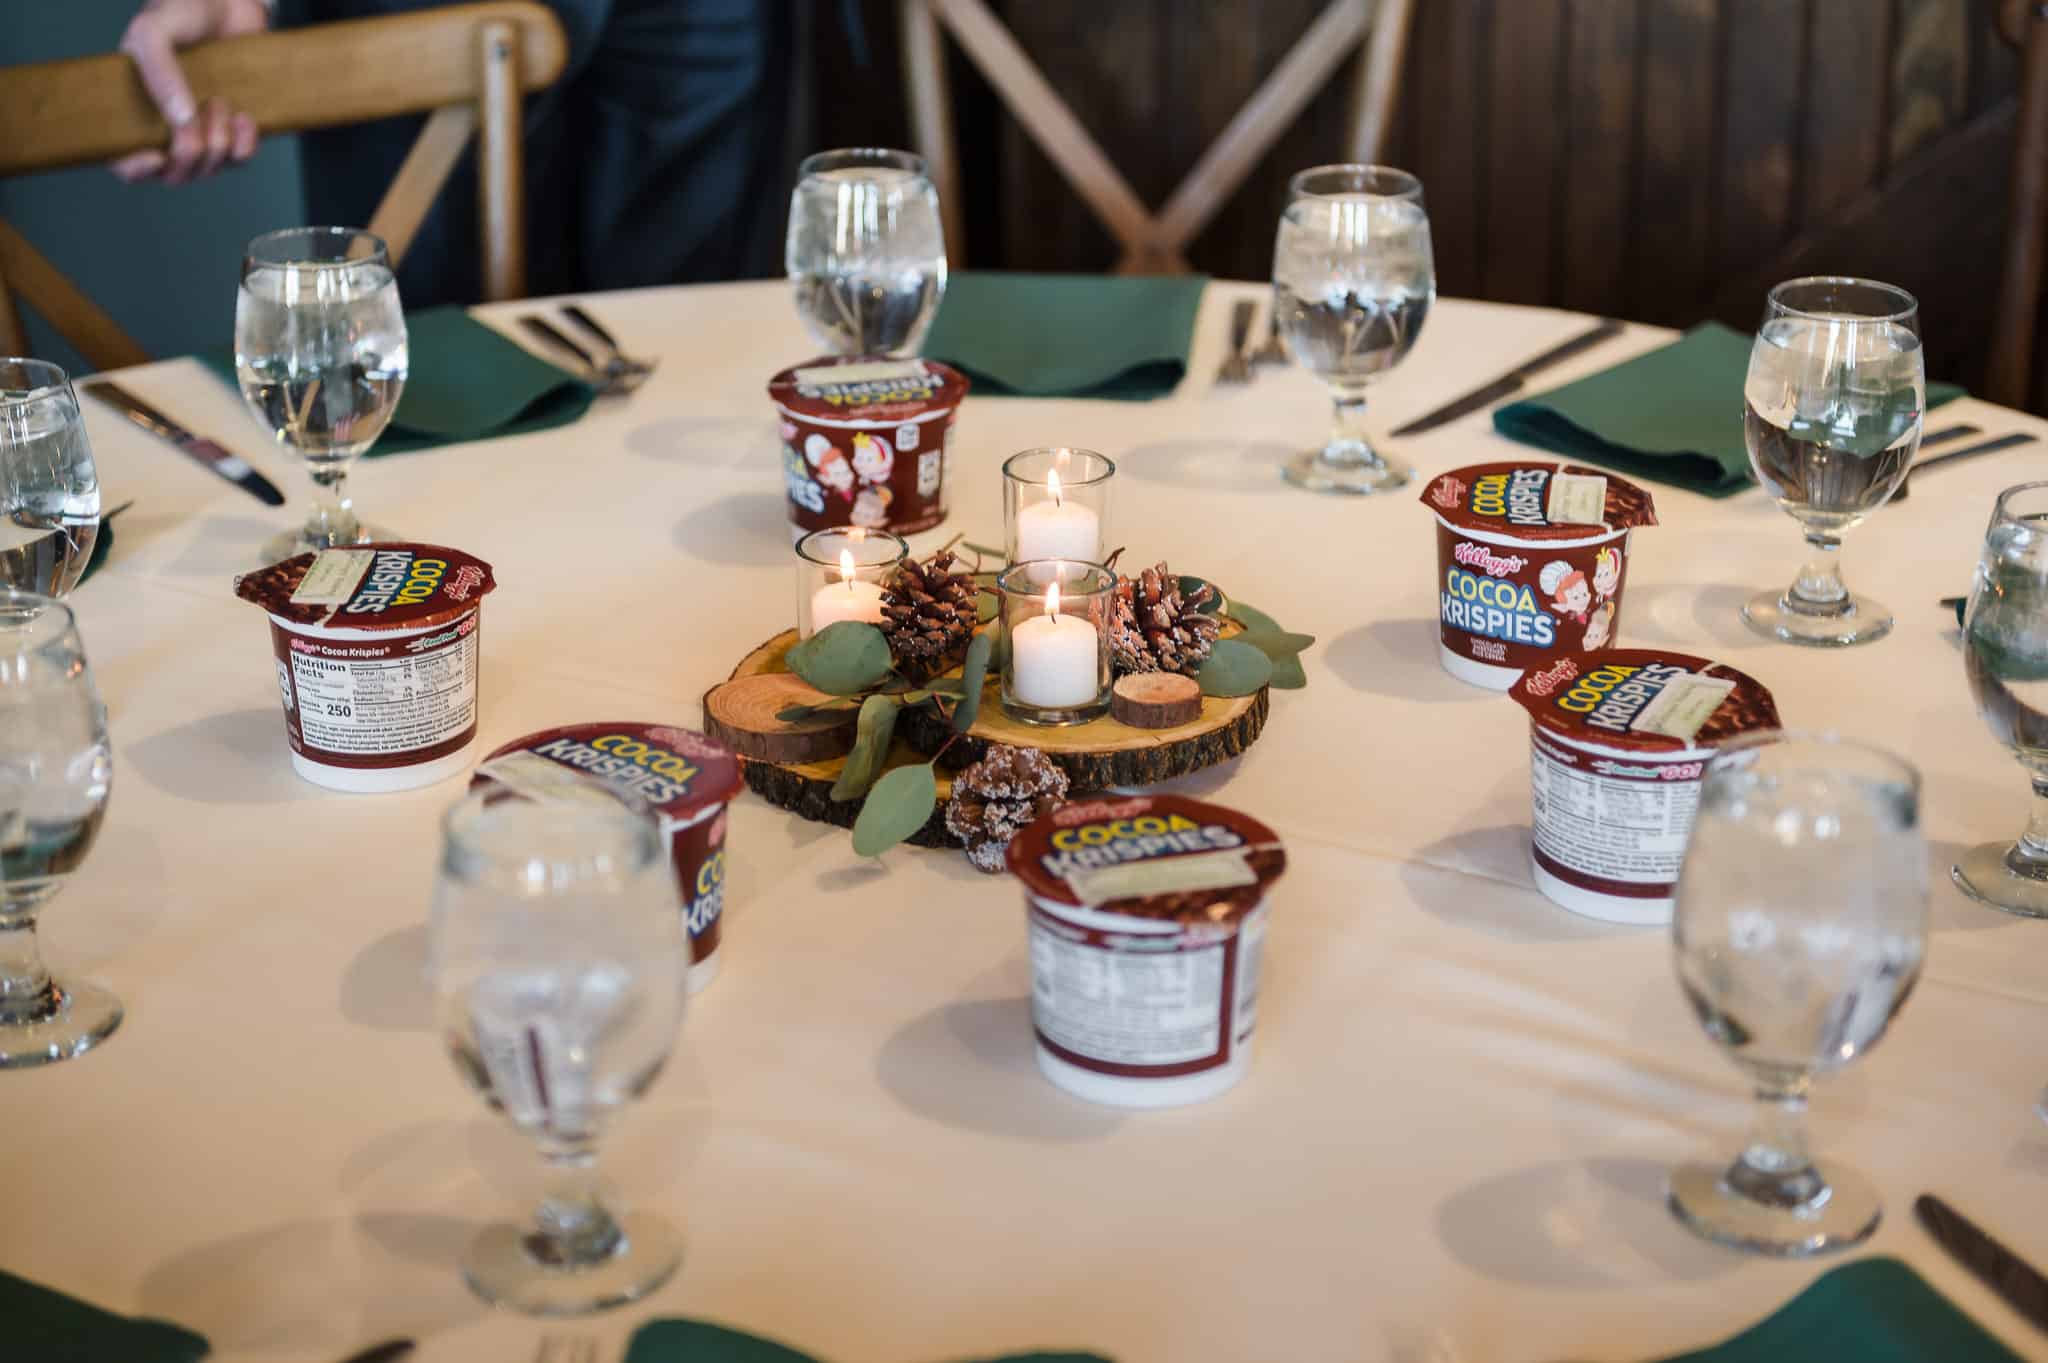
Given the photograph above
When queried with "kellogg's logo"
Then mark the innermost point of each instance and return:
(1550, 678)
(1483, 558)
(688, 743)
(1447, 493)
(466, 580)
(1069, 815)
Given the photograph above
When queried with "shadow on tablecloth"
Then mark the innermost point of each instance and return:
(1238, 466)
(971, 1065)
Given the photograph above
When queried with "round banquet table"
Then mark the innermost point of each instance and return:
(1452, 1140)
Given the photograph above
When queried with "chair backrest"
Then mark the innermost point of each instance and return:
(1152, 243)
(467, 66)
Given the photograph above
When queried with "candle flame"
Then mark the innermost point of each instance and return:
(1052, 480)
(846, 568)
(1052, 599)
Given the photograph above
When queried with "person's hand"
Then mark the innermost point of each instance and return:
(203, 137)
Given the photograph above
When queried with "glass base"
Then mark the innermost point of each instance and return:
(294, 541)
(1361, 479)
(1772, 614)
(1846, 1213)
(1053, 717)
(1983, 874)
(86, 1015)
(502, 1270)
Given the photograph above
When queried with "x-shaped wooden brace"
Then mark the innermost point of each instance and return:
(1151, 243)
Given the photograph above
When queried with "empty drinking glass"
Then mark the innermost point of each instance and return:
(2005, 654)
(557, 959)
(1831, 415)
(866, 253)
(49, 490)
(320, 351)
(56, 768)
(1353, 278)
(1800, 926)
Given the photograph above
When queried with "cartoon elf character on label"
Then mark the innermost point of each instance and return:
(1569, 593)
(871, 508)
(873, 460)
(830, 466)
(1606, 573)
(1599, 627)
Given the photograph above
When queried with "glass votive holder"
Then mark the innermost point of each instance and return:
(1056, 640)
(840, 573)
(1056, 504)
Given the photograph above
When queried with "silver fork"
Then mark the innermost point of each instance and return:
(611, 376)
(566, 1349)
(619, 360)
(1234, 369)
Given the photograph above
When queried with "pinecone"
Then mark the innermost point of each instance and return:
(928, 614)
(998, 796)
(1153, 628)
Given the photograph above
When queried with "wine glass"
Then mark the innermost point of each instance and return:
(320, 351)
(56, 769)
(1831, 415)
(1353, 278)
(866, 252)
(557, 960)
(1800, 925)
(49, 489)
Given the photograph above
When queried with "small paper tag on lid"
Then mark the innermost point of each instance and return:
(1577, 499)
(333, 577)
(876, 371)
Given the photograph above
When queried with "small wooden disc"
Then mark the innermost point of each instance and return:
(744, 715)
(1155, 700)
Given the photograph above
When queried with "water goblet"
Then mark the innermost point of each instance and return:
(49, 489)
(866, 252)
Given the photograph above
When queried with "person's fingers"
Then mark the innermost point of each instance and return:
(244, 130)
(143, 165)
(187, 149)
(150, 42)
(217, 120)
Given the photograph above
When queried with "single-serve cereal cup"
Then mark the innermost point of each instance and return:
(1147, 917)
(1618, 742)
(866, 441)
(377, 660)
(1531, 559)
(684, 777)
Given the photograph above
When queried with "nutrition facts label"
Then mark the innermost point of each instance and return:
(1127, 1007)
(367, 706)
(1610, 827)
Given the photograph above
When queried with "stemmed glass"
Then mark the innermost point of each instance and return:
(1831, 415)
(1800, 926)
(558, 959)
(866, 252)
(2005, 654)
(49, 489)
(321, 354)
(1353, 278)
(56, 768)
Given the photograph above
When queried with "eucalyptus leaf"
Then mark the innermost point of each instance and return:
(1234, 668)
(1287, 674)
(898, 806)
(1190, 584)
(973, 675)
(842, 659)
(871, 737)
(1277, 645)
(790, 714)
(986, 607)
(916, 697)
(946, 686)
(999, 656)
(1251, 617)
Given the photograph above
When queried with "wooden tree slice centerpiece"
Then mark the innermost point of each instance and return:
(1096, 756)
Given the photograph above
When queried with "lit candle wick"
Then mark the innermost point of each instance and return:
(1052, 480)
(1052, 600)
(846, 569)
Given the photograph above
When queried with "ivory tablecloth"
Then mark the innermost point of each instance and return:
(1451, 1144)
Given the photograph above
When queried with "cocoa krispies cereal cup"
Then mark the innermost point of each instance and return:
(1147, 918)
(687, 780)
(1618, 742)
(1531, 560)
(866, 441)
(377, 659)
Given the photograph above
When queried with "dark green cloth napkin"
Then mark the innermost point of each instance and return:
(697, 1341)
(50, 1327)
(1673, 415)
(466, 382)
(1071, 336)
(1871, 1311)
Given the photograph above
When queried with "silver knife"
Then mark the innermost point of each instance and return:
(228, 465)
(1997, 1267)
(1512, 381)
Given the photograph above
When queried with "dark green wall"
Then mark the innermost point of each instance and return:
(161, 260)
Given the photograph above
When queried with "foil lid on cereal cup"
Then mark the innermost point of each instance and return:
(1645, 700)
(867, 388)
(677, 772)
(370, 586)
(1532, 500)
(1162, 857)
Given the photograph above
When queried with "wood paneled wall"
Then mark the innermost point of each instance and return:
(1664, 160)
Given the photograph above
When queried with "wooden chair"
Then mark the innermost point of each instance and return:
(2009, 375)
(1152, 243)
(466, 66)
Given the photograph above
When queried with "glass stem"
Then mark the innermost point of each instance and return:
(1348, 447)
(2029, 856)
(1774, 1167)
(26, 993)
(333, 520)
(573, 1229)
(1818, 590)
